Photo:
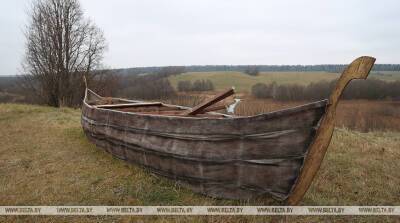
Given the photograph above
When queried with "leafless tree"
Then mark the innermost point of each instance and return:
(62, 46)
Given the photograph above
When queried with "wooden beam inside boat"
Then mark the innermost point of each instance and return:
(214, 108)
(201, 107)
(130, 105)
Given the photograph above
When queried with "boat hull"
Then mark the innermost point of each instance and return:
(236, 158)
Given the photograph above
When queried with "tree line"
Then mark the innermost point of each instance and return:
(332, 68)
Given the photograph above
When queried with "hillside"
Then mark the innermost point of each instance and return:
(244, 82)
(46, 160)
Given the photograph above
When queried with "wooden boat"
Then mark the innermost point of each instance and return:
(276, 153)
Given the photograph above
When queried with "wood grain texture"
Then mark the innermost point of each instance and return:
(358, 69)
(202, 172)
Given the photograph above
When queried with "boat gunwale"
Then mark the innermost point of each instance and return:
(268, 115)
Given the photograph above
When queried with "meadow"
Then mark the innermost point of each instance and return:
(45, 159)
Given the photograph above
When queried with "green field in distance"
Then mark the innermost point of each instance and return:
(243, 82)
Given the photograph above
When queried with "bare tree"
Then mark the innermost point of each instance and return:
(62, 46)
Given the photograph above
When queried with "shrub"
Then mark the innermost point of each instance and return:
(252, 70)
(261, 90)
(148, 87)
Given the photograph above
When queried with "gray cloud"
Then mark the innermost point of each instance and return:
(178, 32)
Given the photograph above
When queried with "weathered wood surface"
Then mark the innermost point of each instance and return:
(215, 108)
(201, 172)
(358, 69)
(239, 158)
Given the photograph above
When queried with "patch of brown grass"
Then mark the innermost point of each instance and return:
(365, 116)
(45, 159)
(360, 115)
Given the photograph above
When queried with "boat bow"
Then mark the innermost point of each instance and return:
(358, 69)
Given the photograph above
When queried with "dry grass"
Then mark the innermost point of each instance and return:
(46, 160)
(363, 115)
(360, 115)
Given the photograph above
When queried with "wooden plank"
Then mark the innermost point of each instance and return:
(215, 108)
(198, 171)
(130, 105)
(358, 69)
(199, 108)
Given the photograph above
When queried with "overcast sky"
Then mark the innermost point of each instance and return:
(185, 32)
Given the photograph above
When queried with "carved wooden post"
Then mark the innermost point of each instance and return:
(358, 69)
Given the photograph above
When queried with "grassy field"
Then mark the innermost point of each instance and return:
(45, 159)
(243, 82)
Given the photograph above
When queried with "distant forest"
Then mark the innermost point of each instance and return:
(333, 68)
